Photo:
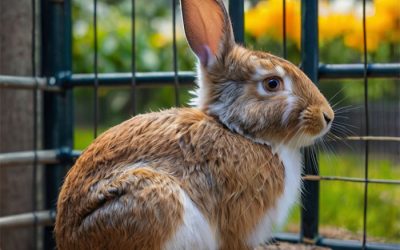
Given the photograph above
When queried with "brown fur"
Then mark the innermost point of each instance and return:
(178, 148)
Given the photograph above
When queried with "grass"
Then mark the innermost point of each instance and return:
(341, 203)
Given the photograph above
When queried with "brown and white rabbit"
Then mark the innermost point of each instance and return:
(218, 176)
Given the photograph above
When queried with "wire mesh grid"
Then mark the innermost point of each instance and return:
(176, 78)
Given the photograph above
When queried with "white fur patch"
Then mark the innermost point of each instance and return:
(290, 101)
(199, 94)
(263, 231)
(281, 72)
(195, 231)
(260, 73)
(288, 83)
(291, 159)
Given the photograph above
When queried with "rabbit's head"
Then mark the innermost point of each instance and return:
(256, 94)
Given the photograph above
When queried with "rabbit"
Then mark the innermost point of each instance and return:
(220, 175)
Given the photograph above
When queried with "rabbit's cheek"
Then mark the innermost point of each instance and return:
(313, 125)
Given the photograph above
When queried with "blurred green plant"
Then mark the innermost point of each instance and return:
(153, 52)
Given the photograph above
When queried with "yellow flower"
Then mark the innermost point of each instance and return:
(256, 22)
(383, 22)
(335, 25)
(382, 25)
(391, 9)
(266, 18)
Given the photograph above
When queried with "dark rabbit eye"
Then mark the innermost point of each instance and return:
(272, 84)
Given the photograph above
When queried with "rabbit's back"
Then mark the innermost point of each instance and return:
(133, 180)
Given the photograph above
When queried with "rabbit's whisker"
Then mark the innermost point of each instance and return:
(337, 93)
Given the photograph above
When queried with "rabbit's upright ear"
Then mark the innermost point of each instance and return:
(208, 28)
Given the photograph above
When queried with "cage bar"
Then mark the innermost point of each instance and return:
(336, 244)
(187, 78)
(309, 64)
(236, 13)
(366, 110)
(175, 55)
(43, 157)
(56, 59)
(42, 218)
(349, 179)
(133, 58)
(148, 80)
(375, 70)
(21, 82)
(96, 72)
(27, 157)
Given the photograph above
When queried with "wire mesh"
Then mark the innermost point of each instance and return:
(365, 54)
(284, 43)
(96, 71)
(133, 58)
(175, 54)
(35, 126)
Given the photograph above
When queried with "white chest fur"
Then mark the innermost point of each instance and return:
(276, 216)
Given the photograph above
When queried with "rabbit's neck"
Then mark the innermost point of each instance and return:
(291, 159)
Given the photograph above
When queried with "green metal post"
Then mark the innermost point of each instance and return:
(57, 117)
(236, 12)
(309, 57)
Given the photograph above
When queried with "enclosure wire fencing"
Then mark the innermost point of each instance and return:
(366, 160)
(133, 61)
(96, 72)
(50, 156)
(35, 128)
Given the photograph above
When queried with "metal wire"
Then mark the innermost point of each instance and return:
(133, 58)
(284, 30)
(43, 218)
(349, 179)
(373, 138)
(95, 69)
(175, 54)
(43, 157)
(365, 211)
(35, 126)
(23, 82)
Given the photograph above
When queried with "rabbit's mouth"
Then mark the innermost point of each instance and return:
(302, 139)
(314, 124)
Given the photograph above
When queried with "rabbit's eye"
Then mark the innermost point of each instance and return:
(272, 84)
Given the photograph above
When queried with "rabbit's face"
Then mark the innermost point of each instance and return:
(264, 97)
(253, 93)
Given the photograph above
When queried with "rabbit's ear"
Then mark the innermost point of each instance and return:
(208, 28)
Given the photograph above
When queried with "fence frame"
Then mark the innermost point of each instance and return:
(56, 62)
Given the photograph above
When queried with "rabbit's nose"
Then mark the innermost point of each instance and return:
(327, 118)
